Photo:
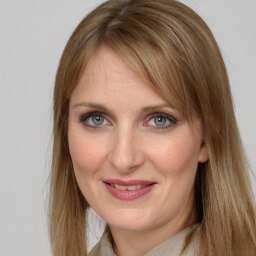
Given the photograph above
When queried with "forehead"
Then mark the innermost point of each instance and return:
(109, 79)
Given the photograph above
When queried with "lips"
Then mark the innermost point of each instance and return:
(128, 190)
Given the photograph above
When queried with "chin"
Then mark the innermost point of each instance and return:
(129, 220)
(130, 226)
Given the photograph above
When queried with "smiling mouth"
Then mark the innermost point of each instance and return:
(128, 190)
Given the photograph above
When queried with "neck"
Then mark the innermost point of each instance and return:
(138, 243)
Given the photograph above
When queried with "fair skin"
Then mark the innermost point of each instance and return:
(123, 132)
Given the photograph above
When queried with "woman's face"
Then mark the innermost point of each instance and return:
(135, 157)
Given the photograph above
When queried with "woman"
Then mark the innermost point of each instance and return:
(145, 134)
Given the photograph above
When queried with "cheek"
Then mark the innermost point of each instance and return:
(85, 153)
(176, 155)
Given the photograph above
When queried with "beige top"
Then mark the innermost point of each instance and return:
(171, 247)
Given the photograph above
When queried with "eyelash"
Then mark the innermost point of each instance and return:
(169, 118)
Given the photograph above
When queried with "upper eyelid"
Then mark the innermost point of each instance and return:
(93, 113)
(160, 114)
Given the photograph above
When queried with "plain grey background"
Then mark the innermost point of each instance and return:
(33, 35)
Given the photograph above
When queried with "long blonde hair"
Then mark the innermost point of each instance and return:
(174, 51)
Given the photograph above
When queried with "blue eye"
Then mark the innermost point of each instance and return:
(97, 120)
(161, 120)
(94, 120)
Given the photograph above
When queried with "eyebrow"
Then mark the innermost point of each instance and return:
(105, 109)
(91, 105)
(154, 107)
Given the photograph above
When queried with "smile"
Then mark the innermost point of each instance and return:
(132, 187)
(128, 190)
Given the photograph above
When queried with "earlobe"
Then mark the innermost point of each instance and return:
(203, 154)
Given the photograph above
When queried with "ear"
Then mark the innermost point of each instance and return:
(203, 153)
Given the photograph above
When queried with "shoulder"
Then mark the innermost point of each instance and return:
(103, 246)
(95, 250)
(184, 243)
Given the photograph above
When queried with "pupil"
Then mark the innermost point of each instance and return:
(160, 121)
(97, 120)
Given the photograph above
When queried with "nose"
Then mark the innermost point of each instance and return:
(126, 154)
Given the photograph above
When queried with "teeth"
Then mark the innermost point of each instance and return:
(132, 187)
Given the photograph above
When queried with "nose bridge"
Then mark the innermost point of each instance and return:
(125, 153)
